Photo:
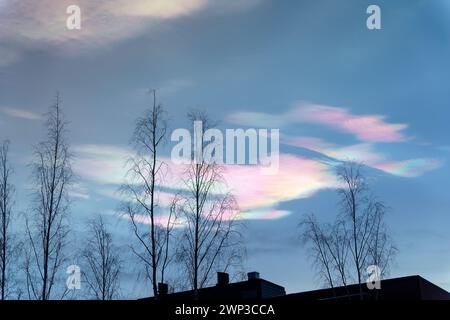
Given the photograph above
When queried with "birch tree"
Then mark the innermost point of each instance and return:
(151, 223)
(102, 262)
(357, 238)
(6, 202)
(46, 226)
(211, 240)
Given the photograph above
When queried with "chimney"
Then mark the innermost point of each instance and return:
(253, 275)
(222, 278)
(163, 288)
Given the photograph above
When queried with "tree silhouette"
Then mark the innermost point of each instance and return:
(102, 261)
(211, 240)
(358, 238)
(46, 226)
(6, 238)
(141, 192)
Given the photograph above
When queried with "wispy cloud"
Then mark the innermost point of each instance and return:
(297, 178)
(258, 195)
(45, 20)
(365, 153)
(411, 167)
(79, 191)
(361, 152)
(372, 128)
(367, 128)
(103, 164)
(161, 220)
(28, 23)
(20, 113)
(264, 214)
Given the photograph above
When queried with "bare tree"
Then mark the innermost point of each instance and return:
(358, 237)
(328, 248)
(362, 216)
(102, 262)
(145, 176)
(313, 234)
(46, 225)
(337, 245)
(6, 201)
(353, 198)
(211, 240)
(165, 235)
(381, 247)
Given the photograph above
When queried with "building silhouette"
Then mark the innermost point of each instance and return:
(255, 288)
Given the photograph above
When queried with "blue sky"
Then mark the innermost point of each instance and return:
(310, 68)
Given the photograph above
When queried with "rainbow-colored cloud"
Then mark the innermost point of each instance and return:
(411, 167)
(367, 154)
(367, 128)
(298, 177)
(257, 194)
(41, 24)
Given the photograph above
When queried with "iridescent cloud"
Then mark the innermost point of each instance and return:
(411, 167)
(367, 154)
(264, 214)
(20, 113)
(367, 128)
(297, 178)
(103, 21)
(258, 195)
(372, 128)
(103, 164)
(361, 152)
(41, 24)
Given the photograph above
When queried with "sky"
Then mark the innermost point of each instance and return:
(311, 69)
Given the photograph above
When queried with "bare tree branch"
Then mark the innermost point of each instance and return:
(9, 247)
(210, 238)
(359, 232)
(146, 173)
(102, 262)
(46, 227)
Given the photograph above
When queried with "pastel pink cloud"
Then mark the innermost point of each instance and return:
(297, 177)
(366, 154)
(411, 167)
(257, 194)
(367, 128)
(371, 128)
(42, 24)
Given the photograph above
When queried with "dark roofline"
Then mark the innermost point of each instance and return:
(363, 283)
(412, 287)
(406, 287)
(229, 286)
